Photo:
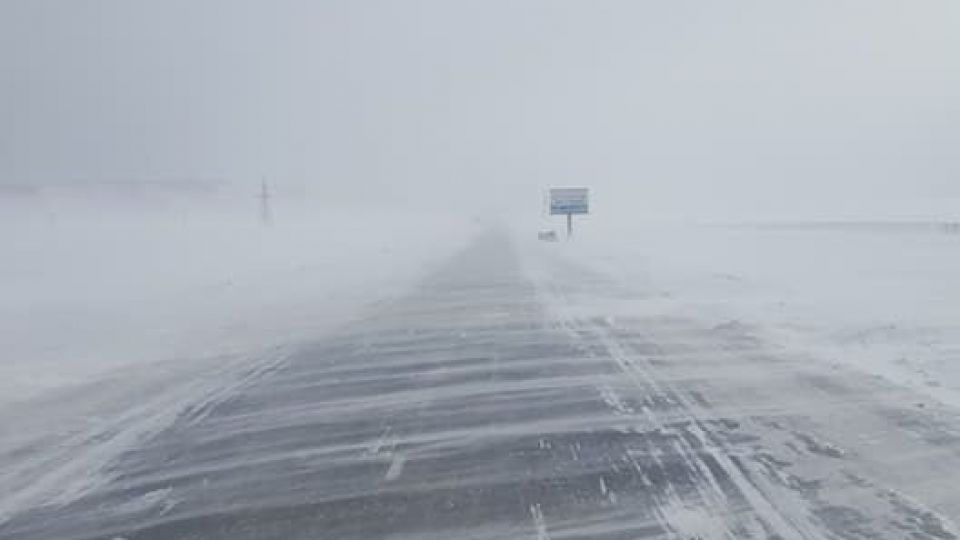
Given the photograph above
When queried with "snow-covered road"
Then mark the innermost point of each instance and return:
(502, 399)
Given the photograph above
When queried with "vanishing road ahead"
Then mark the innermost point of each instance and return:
(501, 399)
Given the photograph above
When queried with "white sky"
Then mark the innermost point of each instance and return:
(751, 108)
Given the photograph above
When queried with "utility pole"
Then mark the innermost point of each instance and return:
(266, 217)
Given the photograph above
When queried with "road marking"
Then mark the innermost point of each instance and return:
(541, 524)
(396, 467)
(382, 442)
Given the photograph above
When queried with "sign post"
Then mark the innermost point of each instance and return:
(569, 201)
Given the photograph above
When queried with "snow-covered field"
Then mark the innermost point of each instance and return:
(86, 295)
(91, 295)
(883, 298)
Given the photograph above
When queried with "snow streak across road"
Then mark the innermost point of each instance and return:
(499, 401)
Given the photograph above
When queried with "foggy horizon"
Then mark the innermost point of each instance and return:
(676, 110)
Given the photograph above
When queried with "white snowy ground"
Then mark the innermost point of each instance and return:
(882, 298)
(87, 295)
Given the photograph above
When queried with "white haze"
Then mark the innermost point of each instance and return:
(134, 135)
(682, 109)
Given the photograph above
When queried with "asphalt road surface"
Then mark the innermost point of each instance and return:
(500, 399)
